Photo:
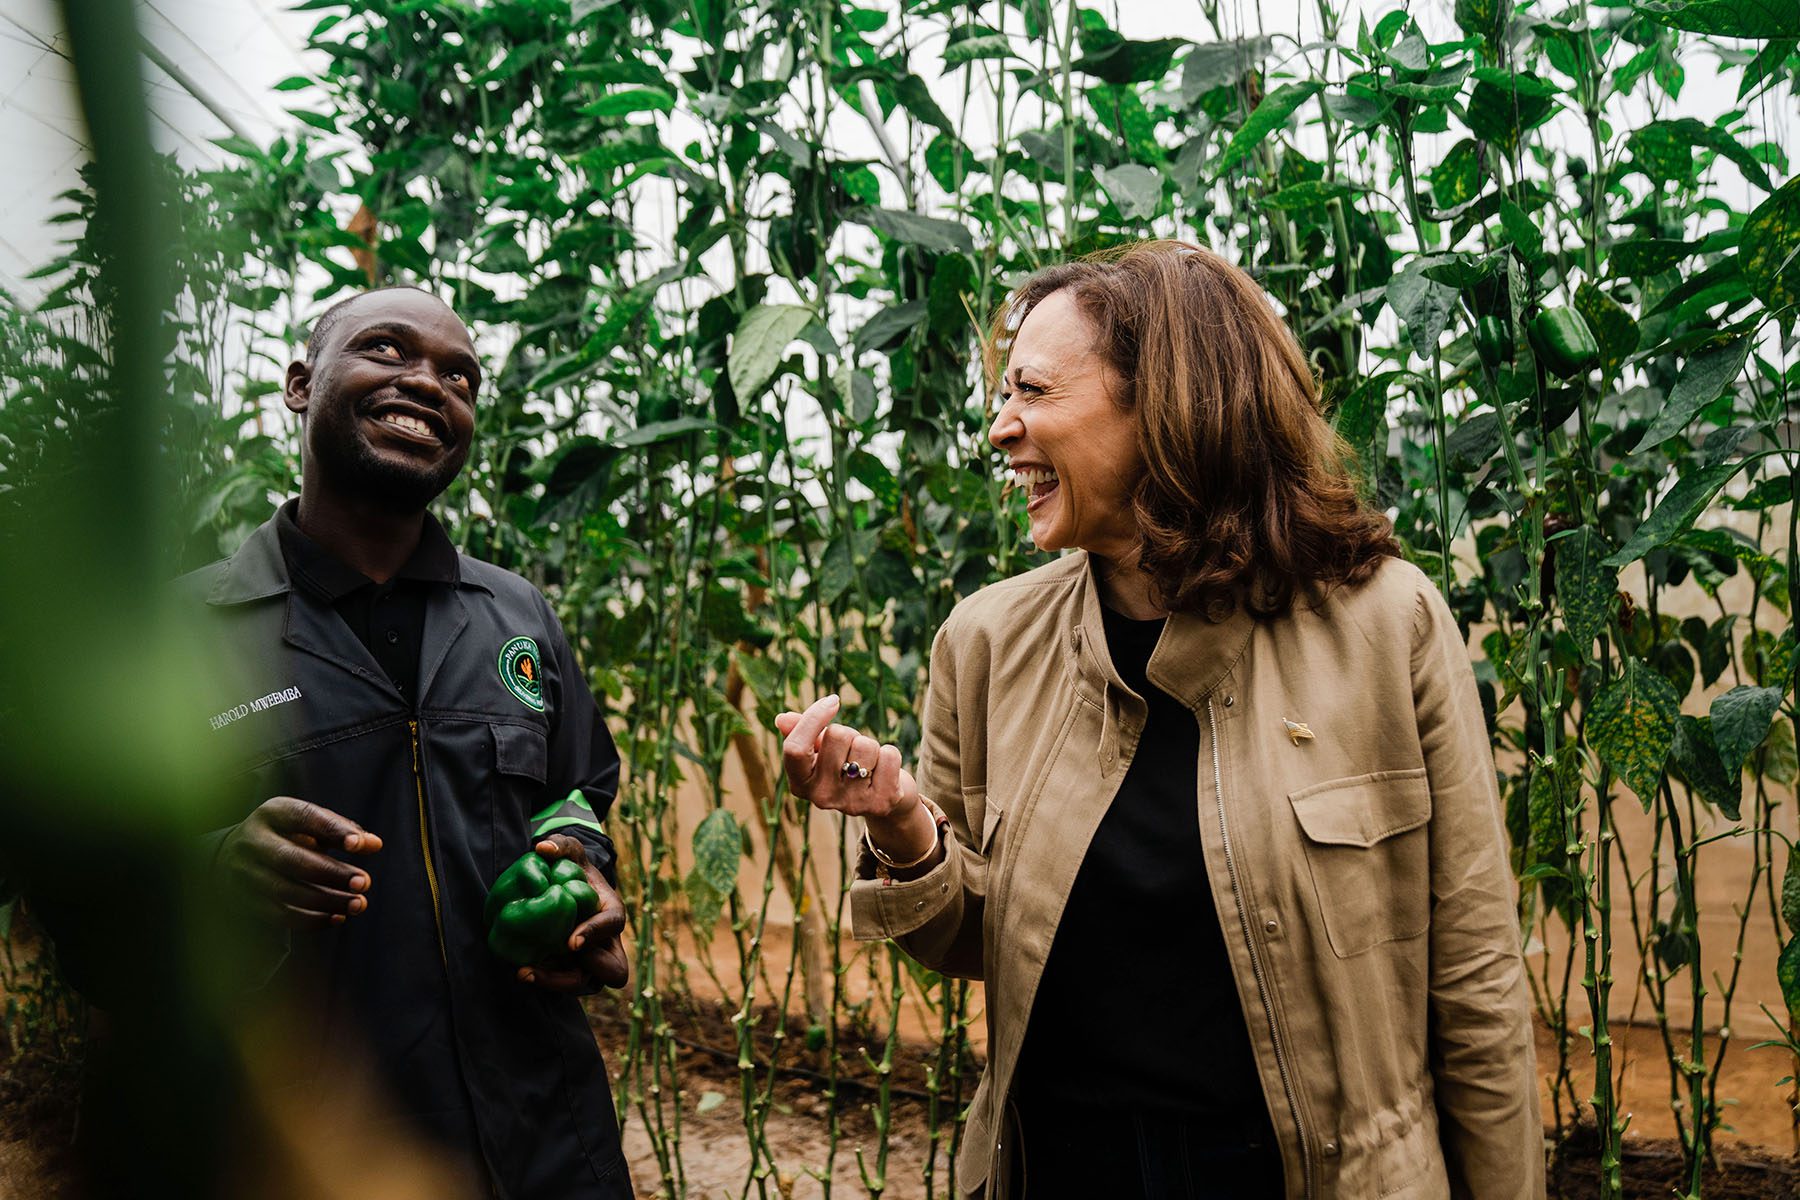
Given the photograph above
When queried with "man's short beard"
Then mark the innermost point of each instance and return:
(354, 469)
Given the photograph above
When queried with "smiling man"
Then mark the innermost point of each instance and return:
(406, 722)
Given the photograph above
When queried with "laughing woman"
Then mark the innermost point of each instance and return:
(1208, 803)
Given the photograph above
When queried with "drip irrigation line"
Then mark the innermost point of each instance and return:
(731, 1056)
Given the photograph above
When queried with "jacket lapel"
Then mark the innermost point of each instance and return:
(446, 616)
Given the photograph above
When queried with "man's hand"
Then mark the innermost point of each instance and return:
(274, 856)
(597, 944)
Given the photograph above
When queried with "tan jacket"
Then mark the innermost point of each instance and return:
(1360, 874)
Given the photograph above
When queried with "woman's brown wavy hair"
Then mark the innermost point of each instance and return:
(1247, 494)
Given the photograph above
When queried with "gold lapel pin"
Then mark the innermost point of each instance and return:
(1296, 731)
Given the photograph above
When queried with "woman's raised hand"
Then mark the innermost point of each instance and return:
(815, 755)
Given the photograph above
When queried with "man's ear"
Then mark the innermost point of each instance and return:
(296, 391)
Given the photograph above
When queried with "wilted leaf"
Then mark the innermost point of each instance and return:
(1787, 973)
(1612, 326)
(1740, 721)
(708, 1102)
(718, 845)
(1631, 725)
(1135, 189)
(1220, 63)
(762, 338)
(1790, 892)
(1703, 379)
(1769, 248)
(1586, 586)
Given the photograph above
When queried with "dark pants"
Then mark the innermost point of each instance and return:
(1074, 1151)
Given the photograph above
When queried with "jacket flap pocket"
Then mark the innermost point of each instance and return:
(1363, 809)
(520, 750)
(983, 815)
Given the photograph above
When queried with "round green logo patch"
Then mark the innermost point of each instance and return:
(520, 670)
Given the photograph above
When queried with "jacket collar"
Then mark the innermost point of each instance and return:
(259, 568)
(1193, 656)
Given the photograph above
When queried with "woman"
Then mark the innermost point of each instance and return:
(1209, 803)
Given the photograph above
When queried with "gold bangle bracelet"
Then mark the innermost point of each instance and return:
(882, 858)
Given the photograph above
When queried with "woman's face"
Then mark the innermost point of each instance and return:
(1072, 450)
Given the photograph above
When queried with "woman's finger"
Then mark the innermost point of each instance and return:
(865, 755)
(800, 749)
(834, 748)
(884, 788)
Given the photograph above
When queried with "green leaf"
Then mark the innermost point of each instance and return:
(1769, 247)
(1522, 231)
(1703, 379)
(1779, 761)
(1502, 107)
(988, 45)
(1727, 18)
(1312, 193)
(762, 338)
(1458, 176)
(1648, 256)
(1135, 189)
(1422, 303)
(1220, 63)
(883, 331)
(1740, 721)
(1631, 726)
(718, 847)
(661, 431)
(1696, 759)
(1587, 587)
(1676, 513)
(1612, 326)
(1130, 62)
(1270, 115)
(929, 233)
(630, 100)
(1473, 441)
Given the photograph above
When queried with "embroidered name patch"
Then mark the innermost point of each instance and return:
(520, 670)
(239, 712)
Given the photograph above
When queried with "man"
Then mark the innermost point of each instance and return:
(406, 721)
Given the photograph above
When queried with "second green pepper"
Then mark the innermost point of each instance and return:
(534, 905)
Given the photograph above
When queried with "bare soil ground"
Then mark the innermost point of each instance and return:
(37, 1123)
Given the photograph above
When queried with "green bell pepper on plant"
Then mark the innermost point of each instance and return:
(534, 905)
(1564, 342)
(1493, 342)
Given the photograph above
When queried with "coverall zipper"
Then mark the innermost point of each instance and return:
(431, 880)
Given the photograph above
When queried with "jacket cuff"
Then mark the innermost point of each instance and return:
(894, 908)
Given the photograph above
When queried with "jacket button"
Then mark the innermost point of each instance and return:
(1331, 1147)
(918, 904)
(1271, 925)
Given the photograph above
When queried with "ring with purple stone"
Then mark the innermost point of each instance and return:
(855, 770)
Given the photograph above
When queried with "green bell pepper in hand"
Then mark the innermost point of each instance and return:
(534, 905)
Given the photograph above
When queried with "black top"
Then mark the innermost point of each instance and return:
(387, 618)
(1137, 1010)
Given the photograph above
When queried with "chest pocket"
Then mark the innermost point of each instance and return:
(1369, 854)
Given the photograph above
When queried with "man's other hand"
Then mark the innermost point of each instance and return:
(597, 944)
(274, 856)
